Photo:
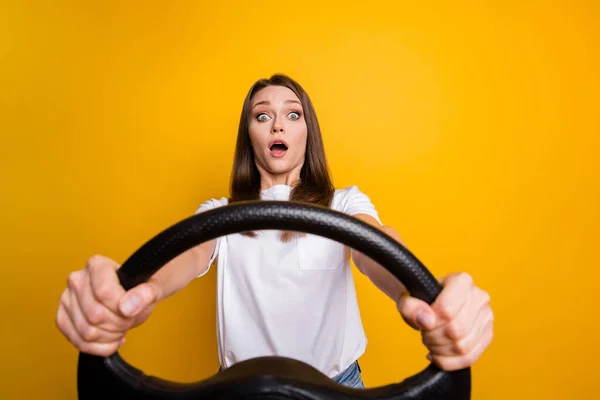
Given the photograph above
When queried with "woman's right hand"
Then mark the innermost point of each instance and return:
(95, 312)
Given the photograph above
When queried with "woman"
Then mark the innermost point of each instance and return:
(281, 293)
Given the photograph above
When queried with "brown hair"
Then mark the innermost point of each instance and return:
(315, 185)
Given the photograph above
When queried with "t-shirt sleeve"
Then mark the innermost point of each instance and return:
(209, 205)
(356, 202)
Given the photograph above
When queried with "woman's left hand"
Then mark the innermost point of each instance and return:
(457, 327)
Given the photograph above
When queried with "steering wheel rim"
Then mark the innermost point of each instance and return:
(269, 377)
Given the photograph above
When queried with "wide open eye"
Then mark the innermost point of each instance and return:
(262, 117)
(294, 115)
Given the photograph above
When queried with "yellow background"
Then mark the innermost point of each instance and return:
(473, 127)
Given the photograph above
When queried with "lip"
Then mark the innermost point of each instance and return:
(272, 142)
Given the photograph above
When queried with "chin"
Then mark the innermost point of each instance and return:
(280, 168)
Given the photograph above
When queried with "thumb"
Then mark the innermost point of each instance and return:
(139, 298)
(416, 313)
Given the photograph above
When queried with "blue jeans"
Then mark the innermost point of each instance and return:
(351, 377)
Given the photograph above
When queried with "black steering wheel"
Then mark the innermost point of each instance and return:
(269, 377)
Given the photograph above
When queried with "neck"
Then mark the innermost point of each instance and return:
(289, 178)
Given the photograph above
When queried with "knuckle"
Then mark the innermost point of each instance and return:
(96, 314)
(149, 292)
(142, 292)
(103, 291)
(446, 311)
(461, 348)
(484, 296)
(60, 321)
(64, 297)
(95, 261)
(88, 333)
(465, 278)
(454, 330)
(404, 306)
(74, 280)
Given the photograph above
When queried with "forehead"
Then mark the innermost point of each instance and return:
(274, 94)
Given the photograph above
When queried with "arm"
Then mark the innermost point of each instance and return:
(95, 312)
(456, 328)
(171, 278)
(180, 271)
(380, 277)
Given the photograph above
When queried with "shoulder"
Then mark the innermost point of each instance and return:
(350, 199)
(212, 203)
(348, 193)
(353, 201)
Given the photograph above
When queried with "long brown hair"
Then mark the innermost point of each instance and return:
(315, 185)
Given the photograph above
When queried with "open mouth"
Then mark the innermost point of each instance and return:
(278, 148)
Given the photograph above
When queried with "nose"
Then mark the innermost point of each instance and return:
(277, 127)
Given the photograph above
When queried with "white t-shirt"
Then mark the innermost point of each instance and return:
(294, 299)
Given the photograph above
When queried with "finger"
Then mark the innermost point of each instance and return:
(416, 313)
(461, 325)
(476, 309)
(61, 315)
(453, 297)
(95, 313)
(139, 299)
(104, 282)
(142, 316)
(452, 363)
(90, 332)
(66, 325)
(464, 345)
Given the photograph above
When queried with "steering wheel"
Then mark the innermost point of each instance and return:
(269, 377)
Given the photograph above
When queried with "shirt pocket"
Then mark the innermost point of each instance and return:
(316, 253)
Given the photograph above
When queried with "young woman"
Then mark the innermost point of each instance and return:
(281, 293)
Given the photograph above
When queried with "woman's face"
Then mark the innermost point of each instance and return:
(278, 134)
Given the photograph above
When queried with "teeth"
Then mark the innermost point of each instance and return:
(278, 142)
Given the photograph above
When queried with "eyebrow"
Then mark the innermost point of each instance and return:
(266, 102)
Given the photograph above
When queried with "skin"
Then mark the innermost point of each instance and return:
(95, 312)
(277, 114)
